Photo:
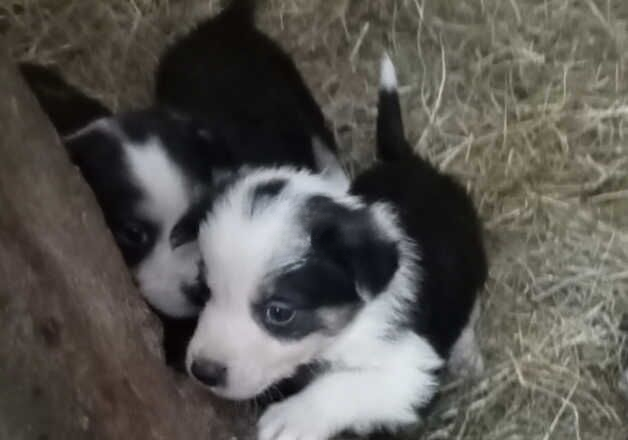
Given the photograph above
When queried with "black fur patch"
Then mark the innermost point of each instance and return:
(230, 75)
(350, 238)
(287, 387)
(186, 229)
(320, 291)
(100, 158)
(177, 334)
(436, 213)
(265, 192)
(66, 106)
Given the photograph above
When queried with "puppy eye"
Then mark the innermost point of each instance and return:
(279, 314)
(132, 234)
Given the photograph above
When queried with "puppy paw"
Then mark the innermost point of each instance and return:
(291, 420)
(466, 360)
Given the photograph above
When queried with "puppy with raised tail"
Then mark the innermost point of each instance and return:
(371, 291)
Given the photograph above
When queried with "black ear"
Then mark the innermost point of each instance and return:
(66, 106)
(352, 239)
(186, 229)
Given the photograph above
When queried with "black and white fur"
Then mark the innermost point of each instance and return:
(373, 288)
(226, 96)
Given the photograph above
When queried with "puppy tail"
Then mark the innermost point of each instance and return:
(390, 138)
(242, 11)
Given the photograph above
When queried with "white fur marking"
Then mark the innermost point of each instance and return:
(466, 360)
(378, 371)
(388, 75)
(167, 196)
(166, 188)
(376, 383)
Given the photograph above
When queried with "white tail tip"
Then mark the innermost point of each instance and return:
(388, 75)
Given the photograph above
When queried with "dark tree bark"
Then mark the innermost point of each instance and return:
(79, 352)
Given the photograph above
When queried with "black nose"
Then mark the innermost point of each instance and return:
(208, 372)
(197, 293)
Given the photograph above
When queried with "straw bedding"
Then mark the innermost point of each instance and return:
(526, 101)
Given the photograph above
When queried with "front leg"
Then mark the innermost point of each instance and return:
(382, 396)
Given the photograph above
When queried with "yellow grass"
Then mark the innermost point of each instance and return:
(526, 101)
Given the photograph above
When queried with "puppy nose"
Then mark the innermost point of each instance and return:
(209, 372)
(197, 293)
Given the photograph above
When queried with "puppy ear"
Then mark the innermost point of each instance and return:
(66, 106)
(352, 239)
(91, 151)
(186, 229)
(328, 164)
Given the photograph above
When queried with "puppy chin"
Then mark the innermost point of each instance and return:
(235, 394)
(174, 304)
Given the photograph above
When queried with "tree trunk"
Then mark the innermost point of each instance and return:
(79, 352)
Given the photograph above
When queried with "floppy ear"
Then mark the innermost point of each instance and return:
(352, 239)
(186, 229)
(328, 164)
(66, 106)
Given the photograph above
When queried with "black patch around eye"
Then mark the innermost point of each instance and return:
(133, 250)
(319, 282)
(304, 323)
(265, 192)
(316, 290)
(186, 229)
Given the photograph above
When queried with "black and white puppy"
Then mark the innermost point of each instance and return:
(226, 96)
(372, 288)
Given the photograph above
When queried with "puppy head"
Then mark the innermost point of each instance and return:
(142, 167)
(290, 259)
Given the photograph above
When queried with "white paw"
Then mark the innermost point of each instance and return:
(291, 420)
(470, 366)
(466, 360)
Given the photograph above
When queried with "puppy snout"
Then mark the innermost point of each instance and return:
(210, 373)
(197, 293)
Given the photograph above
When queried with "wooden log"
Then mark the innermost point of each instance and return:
(79, 352)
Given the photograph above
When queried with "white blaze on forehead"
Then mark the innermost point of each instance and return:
(242, 250)
(164, 185)
(166, 196)
(239, 248)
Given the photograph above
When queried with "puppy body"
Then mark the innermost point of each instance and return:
(375, 286)
(228, 72)
(143, 169)
(226, 96)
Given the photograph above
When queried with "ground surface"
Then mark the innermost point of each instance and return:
(526, 101)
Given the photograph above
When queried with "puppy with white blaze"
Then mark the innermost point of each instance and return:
(226, 96)
(370, 290)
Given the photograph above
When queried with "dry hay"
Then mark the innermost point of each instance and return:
(524, 100)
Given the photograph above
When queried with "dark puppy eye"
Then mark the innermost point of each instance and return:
(279, 314)
(132, 234)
